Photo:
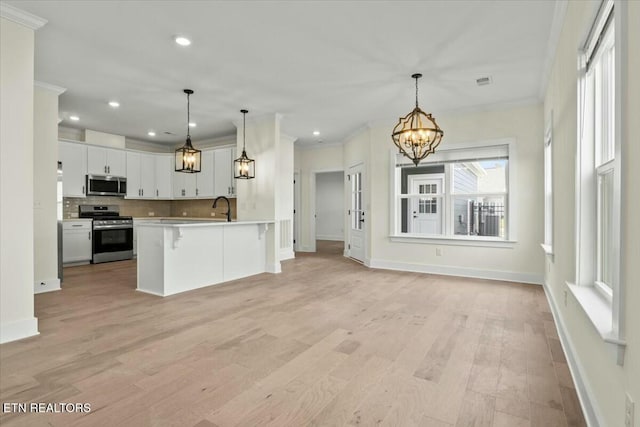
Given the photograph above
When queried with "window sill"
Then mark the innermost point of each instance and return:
(548, 249)
(600, 313)
(453, 241)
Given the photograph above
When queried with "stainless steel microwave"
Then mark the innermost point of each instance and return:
(106, 185)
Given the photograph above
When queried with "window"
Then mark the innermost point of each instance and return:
(457, 193)
(548, 187)
(598, 183)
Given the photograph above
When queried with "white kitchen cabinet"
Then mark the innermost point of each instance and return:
(184, 185)
(76, 241)
(224, 183)
(74, 168)
(141, 175)
(164, 172)
(106, 161)
(205, 179)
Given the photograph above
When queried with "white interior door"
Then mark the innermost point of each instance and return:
(425, 215)
(356, 246)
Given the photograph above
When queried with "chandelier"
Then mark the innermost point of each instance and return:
(187, 157)
(417, 134)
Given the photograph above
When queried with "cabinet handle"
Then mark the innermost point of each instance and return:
(157, 192)
(89, 235)
(142, 191)
(108, 169)
(196, 191)
(76, 225)
(83, 189)
(105, 169)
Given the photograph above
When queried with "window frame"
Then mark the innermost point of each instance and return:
(547, 245)
(510, 238)
(605, 313)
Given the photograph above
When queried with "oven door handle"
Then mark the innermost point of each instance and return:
(113, 227)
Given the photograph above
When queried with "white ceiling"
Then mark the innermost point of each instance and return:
(326, 65)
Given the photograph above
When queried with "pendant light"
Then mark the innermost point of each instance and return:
(187, 157)
(417, 134)
(243, 166)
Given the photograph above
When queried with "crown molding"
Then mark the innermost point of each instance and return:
(21, 17)
(559, 13)
(251, 120)
(58, 90)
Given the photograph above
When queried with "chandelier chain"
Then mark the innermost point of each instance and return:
(416, 92)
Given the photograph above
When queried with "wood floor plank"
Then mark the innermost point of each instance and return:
(326, 342)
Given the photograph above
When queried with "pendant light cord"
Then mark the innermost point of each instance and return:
(188, 114)
(244, 131)
(417, 91)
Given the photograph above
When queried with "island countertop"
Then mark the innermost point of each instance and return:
(197, 223)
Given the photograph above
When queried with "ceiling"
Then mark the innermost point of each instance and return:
(324, 65)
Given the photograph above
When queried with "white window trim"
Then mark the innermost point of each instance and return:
(547, 246)
(489, 242)
(606, 314)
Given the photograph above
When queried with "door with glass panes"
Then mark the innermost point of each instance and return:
(356, 248)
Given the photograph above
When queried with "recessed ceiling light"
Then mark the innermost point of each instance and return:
(182, 41)
(151, 133)
(114, 104)
(74, 118)
(316, 132)
(192, 124)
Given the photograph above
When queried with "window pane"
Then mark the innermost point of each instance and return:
(479, 216)
(422, 216)
(605, 226)
(483, 176)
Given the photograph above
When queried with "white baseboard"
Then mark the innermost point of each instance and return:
(509, 276)
(583, 389)
(13, 331)
(332, 237)
(158, 294)
(49, 285)
(273, 268)
(305, 249)
(287, 254)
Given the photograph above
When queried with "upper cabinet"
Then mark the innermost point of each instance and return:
(205, 179)
(164, 172)
(223, 172)
(106, 161)
(149, 175)
(141, 175)
(74, 168)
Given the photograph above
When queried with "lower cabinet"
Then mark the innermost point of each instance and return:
(76, 241)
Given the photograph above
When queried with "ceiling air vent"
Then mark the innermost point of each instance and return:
(483, 81)
(169, 133)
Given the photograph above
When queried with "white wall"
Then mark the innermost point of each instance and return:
(16, 182)
(330, 206)
(523, 261)
(45, 233)
(605, 383)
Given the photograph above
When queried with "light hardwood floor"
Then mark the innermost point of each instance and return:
(327, 342)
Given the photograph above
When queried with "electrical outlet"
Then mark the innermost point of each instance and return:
(565, 297)
(152, 214)
(213, 214)
(628, 411)
(438, 251)
(184, 214)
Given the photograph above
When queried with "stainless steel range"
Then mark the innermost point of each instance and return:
(112, 233)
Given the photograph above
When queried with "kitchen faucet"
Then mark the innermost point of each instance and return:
(215, 202)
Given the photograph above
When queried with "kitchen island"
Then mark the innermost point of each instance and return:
(176, 256)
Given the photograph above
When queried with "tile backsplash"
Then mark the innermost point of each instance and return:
(199, 208)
